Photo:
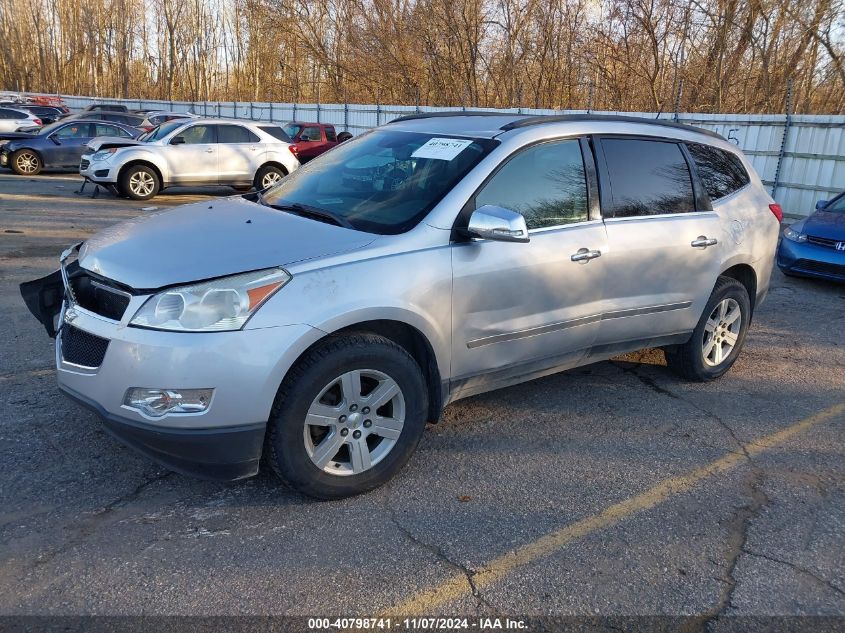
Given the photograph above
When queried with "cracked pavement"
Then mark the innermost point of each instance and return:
(89, 527)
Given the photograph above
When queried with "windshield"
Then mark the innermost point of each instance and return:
(837, 206)
(291, 129)
(49, 129)
(161, 131)
(384, 181)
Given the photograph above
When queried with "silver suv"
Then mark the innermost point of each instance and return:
(324, 321)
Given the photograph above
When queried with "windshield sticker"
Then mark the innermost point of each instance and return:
(441, 148)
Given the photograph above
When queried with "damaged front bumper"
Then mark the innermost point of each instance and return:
(99, 360)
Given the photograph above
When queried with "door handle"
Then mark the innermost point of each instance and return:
(584, 255)
(209, 150)
(702, 241)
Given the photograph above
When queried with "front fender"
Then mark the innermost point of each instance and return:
(127, 155)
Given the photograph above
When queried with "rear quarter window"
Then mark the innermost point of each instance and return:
(276, 132)
(721, 172)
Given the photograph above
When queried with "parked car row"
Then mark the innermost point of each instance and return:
(139, 155)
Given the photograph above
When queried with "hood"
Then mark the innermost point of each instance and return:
(827, 224)
(210, 239)
(106, 142)
(11, 136)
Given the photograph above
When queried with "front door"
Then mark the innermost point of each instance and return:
(194, 159)
(520, 309)
(665, 242)
(70, 142)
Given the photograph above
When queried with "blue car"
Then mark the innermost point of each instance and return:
(58, 146)
(815, 246)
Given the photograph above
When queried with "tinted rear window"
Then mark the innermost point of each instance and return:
(275, 131)
(235, 134)
(647, 178)
(720, 172)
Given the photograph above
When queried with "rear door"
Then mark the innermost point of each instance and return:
(665, 242)
(520, 308)
(238, 150)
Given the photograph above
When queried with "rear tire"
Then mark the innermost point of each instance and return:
(139, 182)
(26, 162)
(268, 176)
(717, 340)
(347, 416)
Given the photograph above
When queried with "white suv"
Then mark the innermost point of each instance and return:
(191, 152)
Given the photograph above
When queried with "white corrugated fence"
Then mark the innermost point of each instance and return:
(810, 149)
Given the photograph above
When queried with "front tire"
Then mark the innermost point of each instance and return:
(268, 176)
(139, 182)
(26, 162)
(718, 338)
(347, 416)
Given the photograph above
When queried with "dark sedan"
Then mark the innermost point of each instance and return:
(56, 147)
(47, 114)
(815, 246)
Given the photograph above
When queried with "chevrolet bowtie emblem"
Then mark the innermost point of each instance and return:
(70, 315)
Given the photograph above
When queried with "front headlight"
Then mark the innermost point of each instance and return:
(103, 154)
(220, 305)
(793, 235)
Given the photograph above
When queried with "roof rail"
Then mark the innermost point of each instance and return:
(563, 118)
(446, 113)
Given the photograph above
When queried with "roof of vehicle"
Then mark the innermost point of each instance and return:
(314, 123)
(17, 108)
(491, 124)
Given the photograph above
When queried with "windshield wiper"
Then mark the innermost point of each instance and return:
(309, 212)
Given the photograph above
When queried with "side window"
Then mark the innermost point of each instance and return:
(331, 135)
(103, 129)
(235, 134)
(198, 135)
(545, 183)
(647, 178)
(311, 133)
(7, 114)
(720, 172)
(82, 130)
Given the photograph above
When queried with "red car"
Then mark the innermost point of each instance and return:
(312, 139)
(52, 102)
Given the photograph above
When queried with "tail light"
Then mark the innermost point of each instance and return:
(37, 121)
(294, 150)
(777, 210)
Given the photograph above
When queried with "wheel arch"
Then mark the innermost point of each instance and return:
(413, 341)
(746, 275)
(146, 163)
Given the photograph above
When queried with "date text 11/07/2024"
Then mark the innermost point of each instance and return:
(416, 624)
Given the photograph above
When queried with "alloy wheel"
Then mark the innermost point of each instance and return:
(270, 179)
(141, 183)
(721, 332)
(27, 162)
(354, 422)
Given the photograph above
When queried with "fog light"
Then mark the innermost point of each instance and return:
(158, 402)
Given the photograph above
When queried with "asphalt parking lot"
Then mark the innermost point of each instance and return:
(615, 489)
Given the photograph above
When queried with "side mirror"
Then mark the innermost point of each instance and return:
(821, 204)
(498, 224)
(55, 139)
(179, 140)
